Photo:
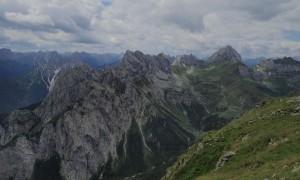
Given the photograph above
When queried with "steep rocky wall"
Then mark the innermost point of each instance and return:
(132, 117)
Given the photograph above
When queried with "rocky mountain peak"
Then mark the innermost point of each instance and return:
(139, 62)
(46, 57)
(226, 53)
(266, 64)
(287, 61)
(187, 60)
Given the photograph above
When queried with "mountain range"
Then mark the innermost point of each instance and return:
(132, 121)
(25, 78)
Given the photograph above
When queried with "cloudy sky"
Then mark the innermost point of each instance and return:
(255, 28)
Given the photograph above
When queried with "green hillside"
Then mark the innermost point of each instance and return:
(262, 144)
(227, 93)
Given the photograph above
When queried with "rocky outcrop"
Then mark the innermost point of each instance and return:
(224, 159)
(113, 122)
(250, 74)
(137, 62)
(187, 60)
(17, 124)
(17, 159)
(286, 64)
(225, 54)
(281, 76)
(69, 87)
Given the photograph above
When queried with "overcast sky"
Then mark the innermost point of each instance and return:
(253, 27)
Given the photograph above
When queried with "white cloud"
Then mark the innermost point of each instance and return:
(255, 28)
(33, 18)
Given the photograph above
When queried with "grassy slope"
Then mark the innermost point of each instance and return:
(266, 142)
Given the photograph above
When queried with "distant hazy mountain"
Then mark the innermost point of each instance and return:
(187, 60)
(10, 66)
(253, 62)
(97, 60)
(170, 58)
(26, 78)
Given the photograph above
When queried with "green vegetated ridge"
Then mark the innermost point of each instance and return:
(263, 143)
(227, 93)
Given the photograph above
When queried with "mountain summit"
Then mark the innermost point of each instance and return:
(137, 62)
(225, 54)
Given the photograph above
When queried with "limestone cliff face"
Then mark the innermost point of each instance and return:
(114, 122)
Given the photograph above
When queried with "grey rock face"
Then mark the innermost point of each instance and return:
(17, 152)
(224, 159)
(225, 54)
(265, 64)
(187, 60)
(70, 86)
(286, 69)
(283, 73)
(134, 114)
(137, 62)
(17, 123)
(250, 74)
(17, 162)
(278, 65)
